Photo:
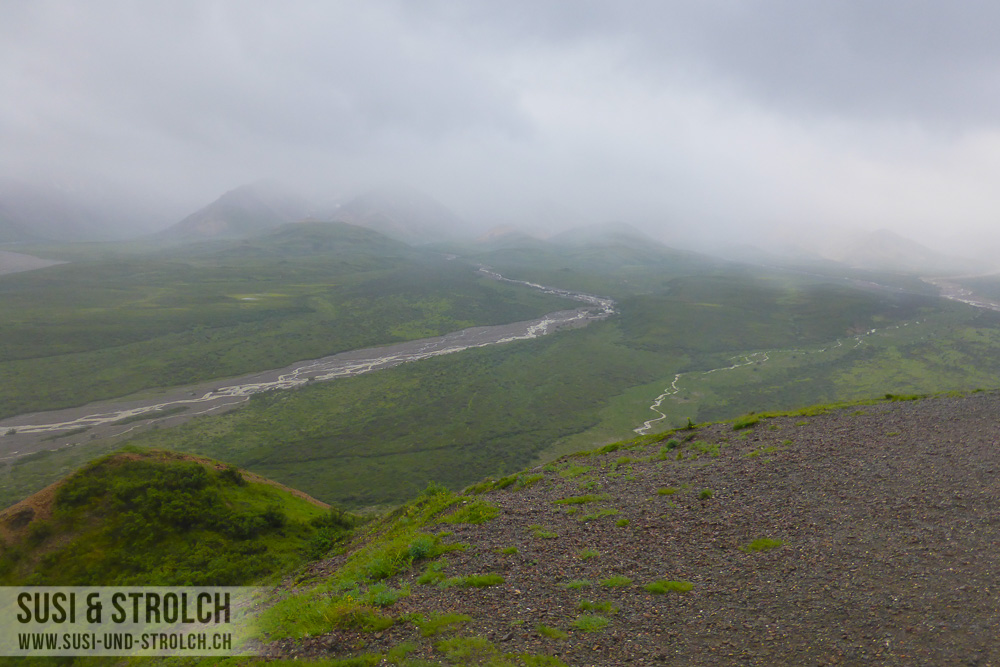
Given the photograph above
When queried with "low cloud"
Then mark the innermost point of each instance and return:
(736, 119)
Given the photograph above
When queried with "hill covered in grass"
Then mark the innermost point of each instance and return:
(863, 534)
(159, 518)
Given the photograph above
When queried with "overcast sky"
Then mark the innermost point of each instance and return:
(737, 118)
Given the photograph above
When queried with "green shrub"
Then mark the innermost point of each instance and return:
(232, 475)
(434, 489)
(421, 547)
(39, 532)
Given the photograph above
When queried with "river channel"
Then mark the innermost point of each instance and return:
(54, 429)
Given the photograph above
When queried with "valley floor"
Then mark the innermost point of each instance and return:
(865, 535)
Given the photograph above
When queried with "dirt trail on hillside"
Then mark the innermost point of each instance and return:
(889, 516)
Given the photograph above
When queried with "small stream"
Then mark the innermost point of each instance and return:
(949, 289)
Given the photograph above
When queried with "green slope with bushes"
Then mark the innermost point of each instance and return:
(158, 518)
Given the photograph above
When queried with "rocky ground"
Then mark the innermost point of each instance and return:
(888, 517)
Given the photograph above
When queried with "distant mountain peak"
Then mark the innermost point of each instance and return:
(243, 211)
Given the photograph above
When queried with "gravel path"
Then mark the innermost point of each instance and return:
(889, 516)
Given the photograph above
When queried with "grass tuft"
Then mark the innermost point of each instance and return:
(590, 623)
(475, 512)
(551, 633)
(597, 515)
(437, 623)
(579, 500)
(616, 581)
(664, 586)
(605, 607)
(473, 581)
(746, 421)
(541, 533)
(762, 544)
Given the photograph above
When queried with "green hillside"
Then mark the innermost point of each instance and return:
(158, 518)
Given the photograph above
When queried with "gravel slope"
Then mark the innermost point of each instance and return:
(889, 516)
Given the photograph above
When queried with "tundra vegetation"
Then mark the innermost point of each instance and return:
(157, 518)
(123, 322)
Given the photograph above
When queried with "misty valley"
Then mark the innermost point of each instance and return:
(181, 386)
(500, 334)
(696, 337)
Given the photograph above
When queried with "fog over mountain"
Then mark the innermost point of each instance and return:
(704, 122)
(244, 211)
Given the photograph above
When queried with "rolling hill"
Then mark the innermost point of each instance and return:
(159, 518)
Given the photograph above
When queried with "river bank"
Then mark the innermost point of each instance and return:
(33, 432)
